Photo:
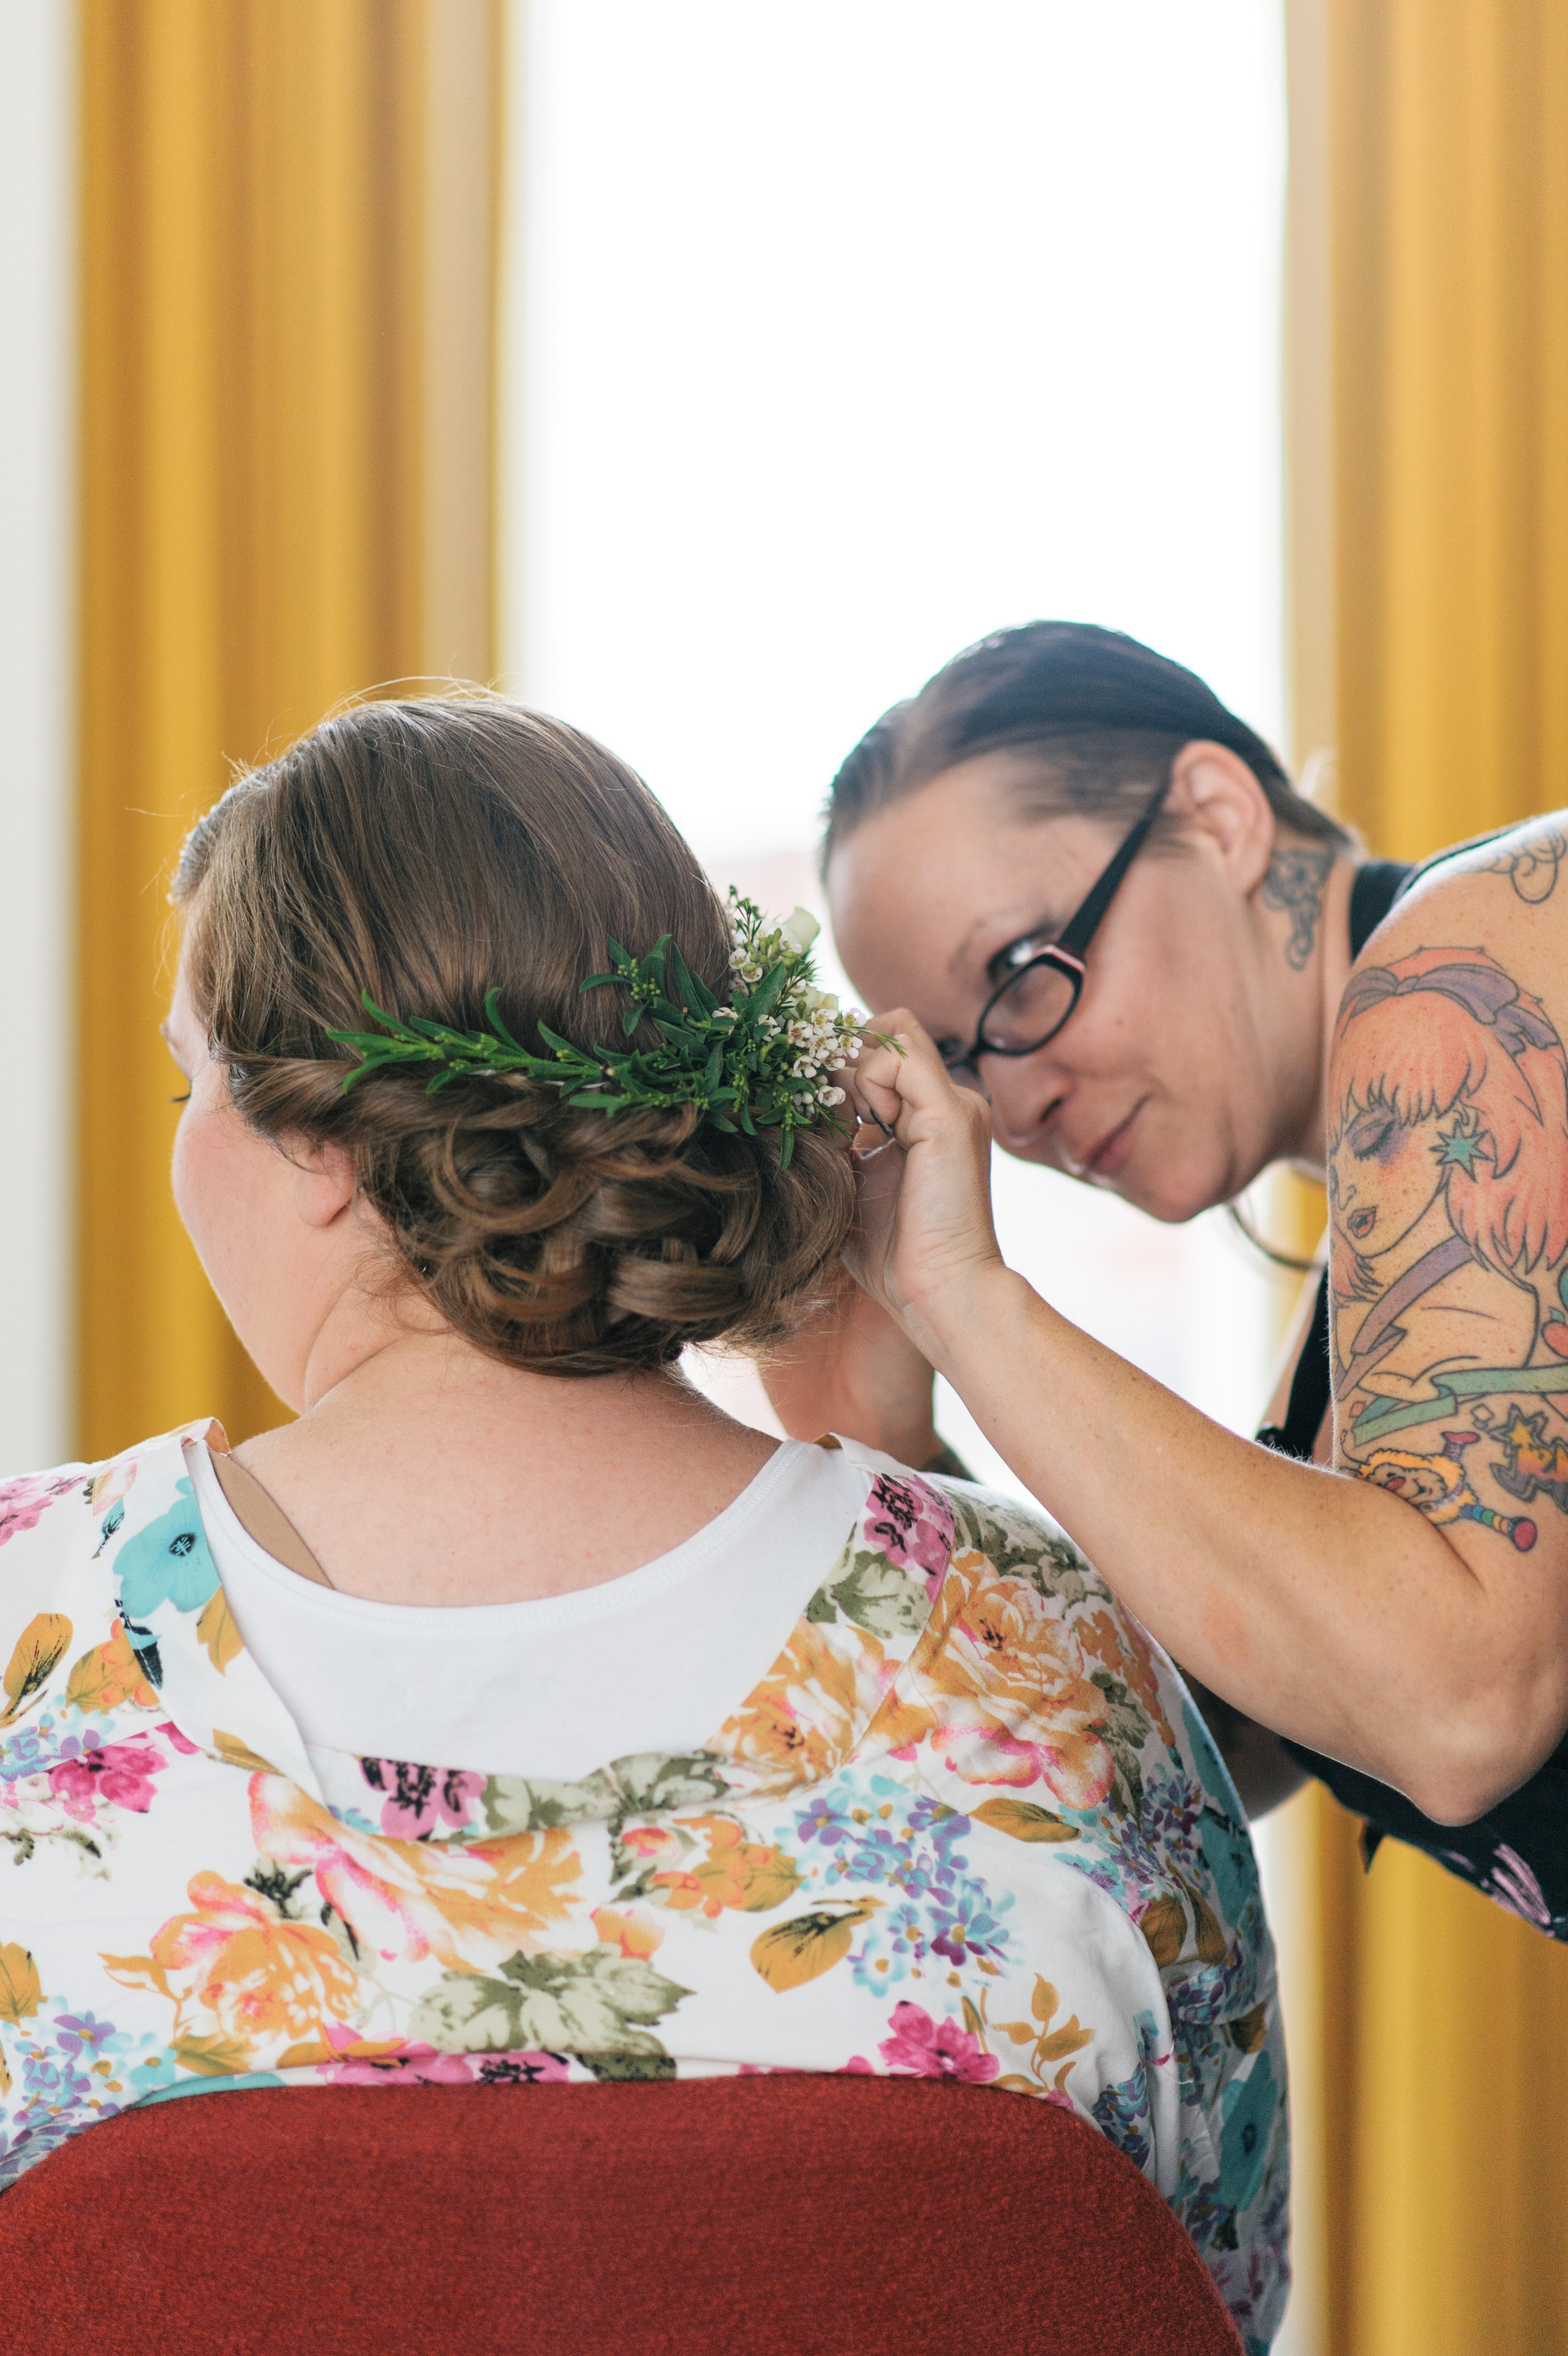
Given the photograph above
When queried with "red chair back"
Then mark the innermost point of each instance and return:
(796, 2215)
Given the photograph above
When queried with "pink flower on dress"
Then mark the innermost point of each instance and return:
(23, 1502)
(471, 1904)
(911, 1524)
(922, 2048)
(421, 1801)
(366, 2061)
(118, 1773)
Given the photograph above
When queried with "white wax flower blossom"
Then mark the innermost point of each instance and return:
(814, 1035)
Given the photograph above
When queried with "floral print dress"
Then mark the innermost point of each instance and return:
(967, 1826)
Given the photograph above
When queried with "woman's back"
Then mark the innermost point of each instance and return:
(512, 1714)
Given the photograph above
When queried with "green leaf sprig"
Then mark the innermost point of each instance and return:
(764, 1060)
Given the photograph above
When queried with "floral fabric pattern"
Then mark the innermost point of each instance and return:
(967, 1825)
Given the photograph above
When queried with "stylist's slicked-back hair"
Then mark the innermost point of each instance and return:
(426, 851)
(1094, 717)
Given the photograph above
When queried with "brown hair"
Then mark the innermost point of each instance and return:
(1098, 718)
(426, 851)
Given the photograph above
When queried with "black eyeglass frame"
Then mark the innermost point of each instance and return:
(1067, 954)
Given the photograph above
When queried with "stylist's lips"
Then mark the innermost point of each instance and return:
(1111, 1151)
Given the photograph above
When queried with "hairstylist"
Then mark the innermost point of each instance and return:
(1094, 899)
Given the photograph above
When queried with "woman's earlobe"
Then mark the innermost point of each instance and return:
(327, 1185)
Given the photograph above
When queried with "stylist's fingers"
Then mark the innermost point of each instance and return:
(924, 1217)
(899, 1074)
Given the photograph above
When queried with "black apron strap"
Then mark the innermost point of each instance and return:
(1373, 891)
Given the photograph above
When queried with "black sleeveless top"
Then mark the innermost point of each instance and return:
(1518, 1852)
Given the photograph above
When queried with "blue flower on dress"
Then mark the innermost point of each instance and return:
(896, 1943)
(1122, 2111)
(168, 1562)
(969, 1923)
(1228, 1854)
(877, 1832)
(1248, 2109)
(79, 2034)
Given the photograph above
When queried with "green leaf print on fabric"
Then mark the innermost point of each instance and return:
(1124, 1731)
(1050, 1563)
(595, 2005)
(167, 1562)
(645, 1782)
(875, 1595)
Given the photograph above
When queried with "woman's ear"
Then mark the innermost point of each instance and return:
(1214, 794)
(325, 1183)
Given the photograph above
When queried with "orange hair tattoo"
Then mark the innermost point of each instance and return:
(1477, 1040)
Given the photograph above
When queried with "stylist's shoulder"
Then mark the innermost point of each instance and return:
(1500, 892)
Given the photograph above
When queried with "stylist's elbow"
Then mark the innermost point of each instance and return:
(1481, 1743)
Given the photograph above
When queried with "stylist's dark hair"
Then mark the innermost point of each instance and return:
(426, 851)
(1097, 718)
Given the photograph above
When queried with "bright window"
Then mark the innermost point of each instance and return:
(841, 334)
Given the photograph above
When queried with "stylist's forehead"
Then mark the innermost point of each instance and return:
(926, 891)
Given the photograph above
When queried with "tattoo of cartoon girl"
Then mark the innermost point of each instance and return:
(1449, 1197)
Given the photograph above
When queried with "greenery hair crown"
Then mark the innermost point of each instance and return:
(765, 1060)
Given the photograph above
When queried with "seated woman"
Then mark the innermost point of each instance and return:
(512, 1714)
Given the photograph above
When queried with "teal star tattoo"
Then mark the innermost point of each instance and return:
(1459, 1145)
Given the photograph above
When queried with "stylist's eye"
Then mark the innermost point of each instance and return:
(1017, 953)
(182, 1099)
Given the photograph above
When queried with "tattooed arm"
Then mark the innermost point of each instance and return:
(1412, 1621)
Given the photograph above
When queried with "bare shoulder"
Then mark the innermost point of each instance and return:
(1497, 880)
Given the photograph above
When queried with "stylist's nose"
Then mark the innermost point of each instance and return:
(1026, 1092)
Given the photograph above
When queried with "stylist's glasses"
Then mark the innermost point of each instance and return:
(1041, 981)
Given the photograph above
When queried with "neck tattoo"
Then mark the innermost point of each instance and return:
(1295, 883)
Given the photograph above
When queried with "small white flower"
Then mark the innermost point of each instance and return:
(830, 1096)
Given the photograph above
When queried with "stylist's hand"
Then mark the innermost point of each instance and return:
(924, 1239)
(851, 1368)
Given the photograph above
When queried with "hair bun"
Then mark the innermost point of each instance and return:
(423, 852)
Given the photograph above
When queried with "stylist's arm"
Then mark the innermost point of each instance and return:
(1429, 1653)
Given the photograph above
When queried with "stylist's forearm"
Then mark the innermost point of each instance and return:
(1357, 1629)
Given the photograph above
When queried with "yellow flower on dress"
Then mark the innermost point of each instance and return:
(268, 1984)
(747, 1876)
(1010, 1706)
(638, 1936)
(470, 1904)
(808, 1712)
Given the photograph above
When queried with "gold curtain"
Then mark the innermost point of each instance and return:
(1429, 425)
(287, 213)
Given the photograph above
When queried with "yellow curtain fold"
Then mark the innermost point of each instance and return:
(287, 225)
(1431, 413)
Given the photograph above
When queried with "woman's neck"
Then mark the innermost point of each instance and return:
(1305, 1141)
(430, 1474)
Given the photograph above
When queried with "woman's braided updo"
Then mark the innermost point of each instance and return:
(426, 851)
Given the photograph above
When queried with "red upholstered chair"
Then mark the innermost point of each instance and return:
(777, 2216)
